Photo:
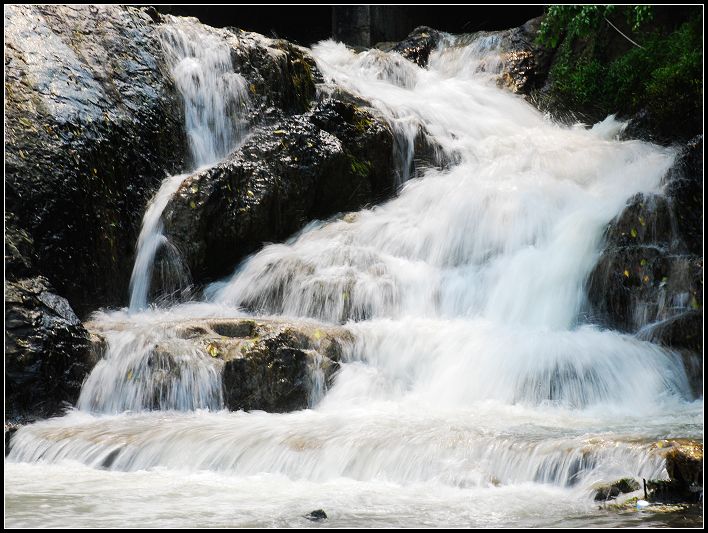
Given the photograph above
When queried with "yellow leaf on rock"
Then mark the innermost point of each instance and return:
(213, 350)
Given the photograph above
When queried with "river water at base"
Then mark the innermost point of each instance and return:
(197, 482)
(201, 485)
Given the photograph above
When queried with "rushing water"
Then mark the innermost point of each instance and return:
(473, 395)
(214, 98)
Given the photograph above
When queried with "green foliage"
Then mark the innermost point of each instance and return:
(592, 73)
(582, 21)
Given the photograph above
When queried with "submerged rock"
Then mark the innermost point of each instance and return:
(338, 157)
(610, 491)
(317, 515)
(93, 124)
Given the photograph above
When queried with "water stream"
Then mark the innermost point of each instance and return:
(474, 394)
(214, 98)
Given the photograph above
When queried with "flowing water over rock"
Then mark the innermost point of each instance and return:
(214, 100)
(474, 392)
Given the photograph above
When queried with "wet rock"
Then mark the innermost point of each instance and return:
(521, 64)
(20, 258)
(270, 377)
(645, 220)
(418, 45)
(610, 491)
(281, 75)
(683, 331)
(47, 350)
(649, 278)
(277, 370)
(685, 189)
(633, 286)
(684, 465)
(93, 124)
(338, 157)
(317, 515)
(525, 64)
(267, 365)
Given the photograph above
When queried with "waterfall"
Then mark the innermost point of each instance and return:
(475, 393)
(214, 98)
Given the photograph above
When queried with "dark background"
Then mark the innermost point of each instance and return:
(307, 25)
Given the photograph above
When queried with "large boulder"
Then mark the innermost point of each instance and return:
(337, 157)
(264, 364)
(47, 351)
(93, 124)
(279, 367)
(649, 277)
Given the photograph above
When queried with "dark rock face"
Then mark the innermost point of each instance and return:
(684, 464)
(635, 285)
(272, 377)
(277, 366)
(92, 126)
(525, 63)
(281, 75)
(685, 188)
(335, 158)
(649, 278)
(418, 45)
(47, 350)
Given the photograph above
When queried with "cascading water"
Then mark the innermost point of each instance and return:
(214, 99)
(474, 394)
